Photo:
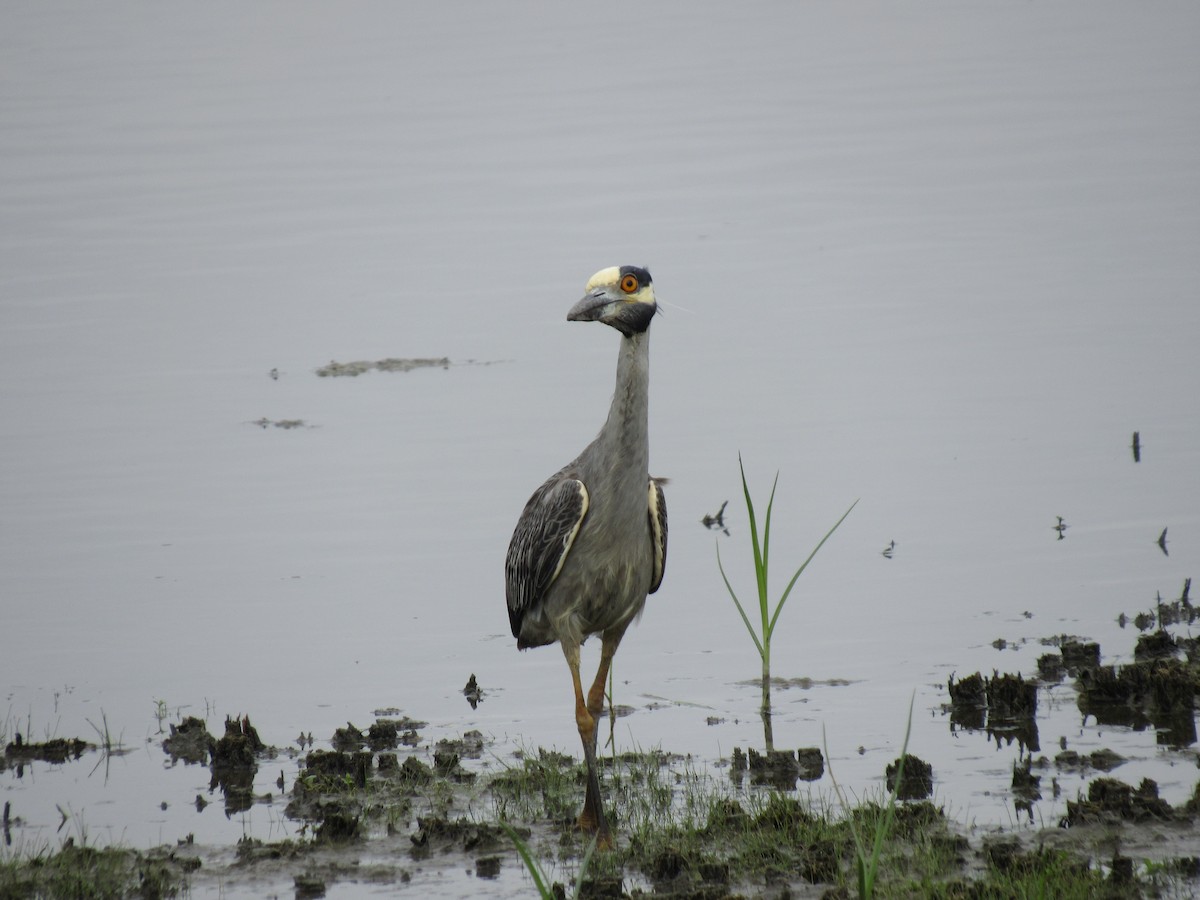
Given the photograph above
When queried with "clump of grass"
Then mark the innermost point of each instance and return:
(88, 873)
(768, 616)
(544, 784)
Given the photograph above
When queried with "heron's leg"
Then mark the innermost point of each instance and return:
(608, 648)
(592, 818)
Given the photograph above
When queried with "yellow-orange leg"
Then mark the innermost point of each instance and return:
(595, 697)
(592, 818)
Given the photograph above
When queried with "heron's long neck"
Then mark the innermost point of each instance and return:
(626, 431)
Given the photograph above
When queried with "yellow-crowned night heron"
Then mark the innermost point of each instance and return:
(592, 541)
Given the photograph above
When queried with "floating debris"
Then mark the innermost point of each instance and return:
(1061, 527)
(889, 550)
(286, 424)
(1162, 542)
(716, 521)
(1137, 447)
(473, 692)
(354, 369)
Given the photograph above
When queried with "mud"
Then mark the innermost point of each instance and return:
(377, 797)
(383, 791)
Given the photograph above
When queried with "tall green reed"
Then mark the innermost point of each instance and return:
(768, 616)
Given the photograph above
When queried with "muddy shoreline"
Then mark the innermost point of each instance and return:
(383, 805)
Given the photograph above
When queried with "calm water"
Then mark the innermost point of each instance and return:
(942, 259)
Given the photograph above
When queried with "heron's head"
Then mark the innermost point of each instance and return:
(620, 296)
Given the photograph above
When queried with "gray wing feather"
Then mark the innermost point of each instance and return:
(658, 531)
(541, 542)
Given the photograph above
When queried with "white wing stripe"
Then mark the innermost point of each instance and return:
(574, 532)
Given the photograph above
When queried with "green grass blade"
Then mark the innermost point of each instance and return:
(767, 542)
(750, 628)
(583, 864)
(866, 865)
(859, 847)
(804, 565)
(535, 871)
(885, 826)
(758, 560)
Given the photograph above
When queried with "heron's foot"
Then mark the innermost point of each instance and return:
(588, 824)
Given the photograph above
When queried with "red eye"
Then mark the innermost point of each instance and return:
(629, 283)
